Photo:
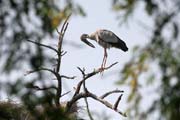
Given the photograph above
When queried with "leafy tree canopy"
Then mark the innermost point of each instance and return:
(162, 50)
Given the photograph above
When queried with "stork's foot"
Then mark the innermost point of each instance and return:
(101, 69)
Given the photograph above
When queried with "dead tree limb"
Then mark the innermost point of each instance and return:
(95, 97)
(110, 92)
(42, 88)
(78, 95)
(56, 70)
(60, 41)
(43, 45)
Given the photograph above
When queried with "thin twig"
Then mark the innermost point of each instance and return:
(88, 110)
(61, 35)
(65, 93)
(67, 77)
(39, 69)
(43, 45)
(44, 69)
(81, 70)
(99, 70)
(89, 75)
(111, 92)
(86, 91)
(63, 53)
(117, 102)
(64, 24)
(106, 103)
(44, 88)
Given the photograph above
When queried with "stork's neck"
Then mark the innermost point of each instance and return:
(92, 36)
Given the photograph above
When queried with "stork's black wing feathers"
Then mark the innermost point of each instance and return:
(117, 42)
(120, 44)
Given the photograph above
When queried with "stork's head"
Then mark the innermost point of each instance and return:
(84, 39)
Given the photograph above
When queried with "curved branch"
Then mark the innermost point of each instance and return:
(93, 96)
(88, 110)
(43, 45)
(43, 88)
(86, 76)
(117, 102)
(44, 69)
(67, 77)
(111, 92)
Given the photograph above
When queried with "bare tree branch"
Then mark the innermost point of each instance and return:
(61, 35)
(44, 88)
(44, 69)
(63, 53)
(39, 69)
(86, 76)
(93, 96)
(43, 45)
(67, 77)
(86, 90)
(65, 93)
(117, 102)
(78, 95)
(56, 70)
(82, 71)
(88, 110)
(111, 92)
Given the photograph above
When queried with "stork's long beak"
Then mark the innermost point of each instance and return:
(88, 43)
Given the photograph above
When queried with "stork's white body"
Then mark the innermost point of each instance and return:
(103, 37)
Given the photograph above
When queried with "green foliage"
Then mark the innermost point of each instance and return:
(125, 6)
(150, 7)
(162, 49)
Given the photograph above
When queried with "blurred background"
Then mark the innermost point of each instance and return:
(149, 73)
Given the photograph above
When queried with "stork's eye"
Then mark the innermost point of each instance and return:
(83, 36)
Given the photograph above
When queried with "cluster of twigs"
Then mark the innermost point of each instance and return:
(56, 70)
(78, 94)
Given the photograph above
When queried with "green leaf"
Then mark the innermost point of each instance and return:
(131, 96)
(81, 11)
(143, 57)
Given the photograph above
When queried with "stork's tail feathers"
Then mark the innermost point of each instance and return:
(121, 45)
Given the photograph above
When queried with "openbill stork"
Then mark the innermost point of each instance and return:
(106, 39)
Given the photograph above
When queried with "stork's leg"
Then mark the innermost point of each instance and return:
(104, 60)
(102, 65)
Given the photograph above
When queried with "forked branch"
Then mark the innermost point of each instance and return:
(56, 70)
(79, 95)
